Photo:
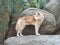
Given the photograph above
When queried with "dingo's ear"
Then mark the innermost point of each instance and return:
(38, 13)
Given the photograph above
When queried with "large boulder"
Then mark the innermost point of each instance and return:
(49, 23)
(34, 40)
(53, 6)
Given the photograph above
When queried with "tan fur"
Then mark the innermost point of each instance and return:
(28, 19)
(35, 20)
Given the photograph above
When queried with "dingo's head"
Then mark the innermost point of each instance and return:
(39, 15)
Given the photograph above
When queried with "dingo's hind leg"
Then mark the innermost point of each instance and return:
(21, 33)
(21, 28)
(18, 33)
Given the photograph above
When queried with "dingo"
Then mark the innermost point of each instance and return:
(35, 20)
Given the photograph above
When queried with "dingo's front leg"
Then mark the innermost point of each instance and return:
(36, 29)
(18, 33)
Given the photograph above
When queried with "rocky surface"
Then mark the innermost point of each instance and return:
(34, 40)
(1, 44)
(53, 6)
(49, 23)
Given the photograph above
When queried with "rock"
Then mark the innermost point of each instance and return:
(1, 44)
(53, 6)
(34, 40)
(49, 23)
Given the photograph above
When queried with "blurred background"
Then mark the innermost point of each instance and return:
(10, 11)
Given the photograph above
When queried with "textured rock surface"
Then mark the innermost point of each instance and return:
(53, 6)
(34, 40)
(49, 22)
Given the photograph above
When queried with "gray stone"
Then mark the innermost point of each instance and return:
(53, 6)
(49, 23)
(34, 40)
